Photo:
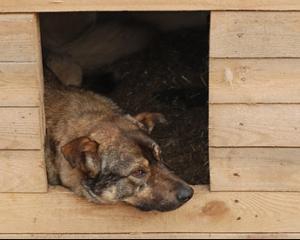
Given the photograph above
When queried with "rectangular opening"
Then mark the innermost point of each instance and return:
(209, 212)
(144, 62)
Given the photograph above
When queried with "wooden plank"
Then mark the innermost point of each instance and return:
(42, 116)
(40, 76)
(254, 81)
(255, 34)
(156, 236)
(17, 43)
(62, 212)
(19, 84)
(255, 169)
(19, 128)
(22, 171)
(149, 5)
(260, 125)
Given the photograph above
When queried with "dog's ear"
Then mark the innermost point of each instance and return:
(149, 120)
(145, 141)
(83, 152)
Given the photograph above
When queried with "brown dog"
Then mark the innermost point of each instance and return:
(99, 152)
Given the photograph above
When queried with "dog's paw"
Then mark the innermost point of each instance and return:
(87, 193)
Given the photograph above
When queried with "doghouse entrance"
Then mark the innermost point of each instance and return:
(165, 69)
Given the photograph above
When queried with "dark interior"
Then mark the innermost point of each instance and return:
(168, 75)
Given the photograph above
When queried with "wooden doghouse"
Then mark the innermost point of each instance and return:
(254, 126)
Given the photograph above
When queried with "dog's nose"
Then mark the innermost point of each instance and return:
(184, 194)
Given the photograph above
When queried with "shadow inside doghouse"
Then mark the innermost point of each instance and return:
(152, 61)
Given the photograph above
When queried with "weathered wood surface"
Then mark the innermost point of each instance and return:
(256, 125)
(255, 34)
(254, 81)
(156, 236)
(22, 171)
(62, 212)
(20, 128)
(19, 84)
(255, 169)
(17, 38)
(144, 5)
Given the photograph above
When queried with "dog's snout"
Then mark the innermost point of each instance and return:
(184, 194)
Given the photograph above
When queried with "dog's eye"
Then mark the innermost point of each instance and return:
(139, 173)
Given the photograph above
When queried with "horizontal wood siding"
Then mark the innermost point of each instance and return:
(19, 85)
(20, 128)
(254, 122)
(22, 167)
(17, 41)
(260, 125)
(255, 169)
(155, 236)
(22, 171)
(255, 34)
(254, 80)
(63, 212)
(144, 5)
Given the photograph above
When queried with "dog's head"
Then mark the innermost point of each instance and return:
(121, 163)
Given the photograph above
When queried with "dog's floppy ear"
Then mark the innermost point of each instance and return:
(149, 120)
(83, 152)
(145, 141)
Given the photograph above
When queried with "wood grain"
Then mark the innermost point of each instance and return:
(62, 212)
(255, 34)
(17, 42)
(156, 236)
(254, 81)
(19, 84)
(20, 128)
(255, 169)
(22, 171)
(142, 5)
(257, 125)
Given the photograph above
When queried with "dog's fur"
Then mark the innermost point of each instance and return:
(105, 155)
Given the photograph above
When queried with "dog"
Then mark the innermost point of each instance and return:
(105, 155)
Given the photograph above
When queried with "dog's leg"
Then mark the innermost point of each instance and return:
(84, 191)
